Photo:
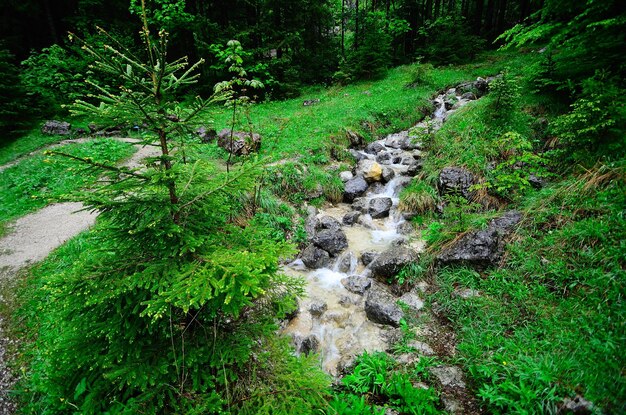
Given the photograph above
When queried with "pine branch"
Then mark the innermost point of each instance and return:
(87, 160)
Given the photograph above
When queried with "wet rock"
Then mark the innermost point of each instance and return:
(351, 218)
(379, 207)
(389, 263)
(481, 86)
(314, 257)
(360, 204)
(384, 158)
(401, 141)
(358, 156)
(80, 132)
(206, 135)
(366, 221)
(356, 284)
(470, 96)
(354, 188)
(370, 170)
(349, 300)
(405, 228)
(327, 222)
(317, 308)
(368, 256)
(238, 143)
(376, 188)
(381, 307)
(412, 300)
(345, 262)
(374, 148)
(577, 405)
(483, 248)
(414, 167)
(450, 376)
(310, 344)
(456, 180)
(54, 127)
(346, 175)
(331, 241)
(388, 174)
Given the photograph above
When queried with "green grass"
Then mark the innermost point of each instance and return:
(373, 109)
(548, 324)
(36, 181)
(28, 143)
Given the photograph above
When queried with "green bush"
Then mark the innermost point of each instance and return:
(448, 40)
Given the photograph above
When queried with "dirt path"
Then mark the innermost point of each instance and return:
(31, 238)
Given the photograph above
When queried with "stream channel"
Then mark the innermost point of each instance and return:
(348, 308)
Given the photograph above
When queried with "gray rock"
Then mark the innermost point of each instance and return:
(351, 218)
(405, 228)
(414, 167)
(354, 188)
(481, 87)
(368, 256)
(483, 248)
(422, 348)
(56, 127)
(358, 156)
(206, 135)
(317, 308)
(356, 284)
(384, 158)
(456, 180)
(577, 405)
(379, 207)
(388, 174)
(360, 204)
(376, 188)
(345, 262)
(401, 141)
(381, 307)
(536, 182)
(470, 96)
(310, 344)
(412, 300)
(389, 263)
(314, 257)
(331, 241)
(346, 175)
(374, 148)
(239, 142)
(327, 222)
(450, 376)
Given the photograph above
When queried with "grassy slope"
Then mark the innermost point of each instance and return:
(549, 323)
(36, 181)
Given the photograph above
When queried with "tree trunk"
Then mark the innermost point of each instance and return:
(478, 16)
(356, 26)
(501, 18)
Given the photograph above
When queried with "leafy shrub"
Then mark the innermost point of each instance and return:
(54, 77)
(505, 92)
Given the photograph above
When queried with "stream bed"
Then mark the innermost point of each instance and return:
(358, 245)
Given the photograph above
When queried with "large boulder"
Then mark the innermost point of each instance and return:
(354, 188)
(314, 257)
(370, 170)
(381, 307)
(456, 180)
(482, 248)
(238, 142)
(388, 264)
(332, 241)
(402, 141)
(355, 139)
(205, 134)
(379, 207)
(388, 174)
(327, 222)
(54, 127)
(351, 218)
(374, 148)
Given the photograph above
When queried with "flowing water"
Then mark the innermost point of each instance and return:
(331, 320)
